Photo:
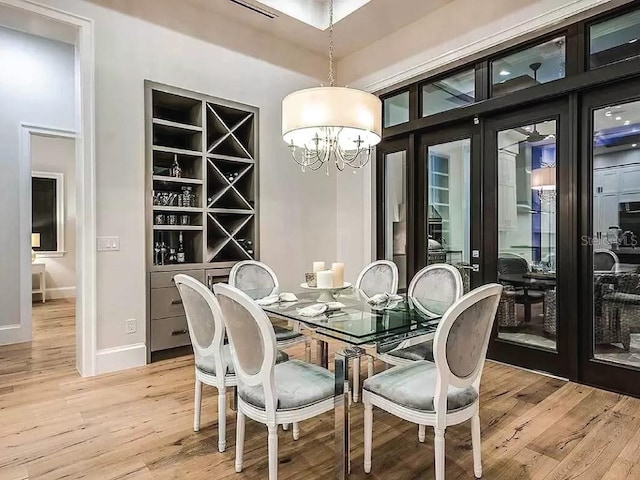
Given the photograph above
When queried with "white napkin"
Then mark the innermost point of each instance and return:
(277, 298)
(319, 309)
(381, 298)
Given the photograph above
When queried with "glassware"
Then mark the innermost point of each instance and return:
(185, 220)
(172, 219)
(160, 219)
(176, 169)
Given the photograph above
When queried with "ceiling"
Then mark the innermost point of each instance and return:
(358, 23)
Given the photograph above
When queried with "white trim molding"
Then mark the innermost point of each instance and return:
(60, 197)
(85, 177)
(121, 358)
(13, 334)
(60, 292)
(544, 20)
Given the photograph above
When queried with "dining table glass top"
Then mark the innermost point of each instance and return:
(357, 322)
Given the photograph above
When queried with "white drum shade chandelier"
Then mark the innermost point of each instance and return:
(326, 124)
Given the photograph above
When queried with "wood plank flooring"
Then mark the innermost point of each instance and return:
(138, 425)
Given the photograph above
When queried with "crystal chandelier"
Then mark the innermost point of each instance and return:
(331, 123)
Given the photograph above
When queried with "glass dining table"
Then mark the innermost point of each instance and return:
(358, 326)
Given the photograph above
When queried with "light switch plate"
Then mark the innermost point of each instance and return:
(108, 244)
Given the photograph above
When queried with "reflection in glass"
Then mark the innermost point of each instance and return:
(448, 210)
(527, 159)
(449, 93)
(396, 109)
(616, 229)
(527, 68)
(395, 212)
(614, 40)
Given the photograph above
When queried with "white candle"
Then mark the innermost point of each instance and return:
(325, 279)
(318, 267)
(338, 274)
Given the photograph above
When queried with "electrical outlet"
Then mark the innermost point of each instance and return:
(130, 325)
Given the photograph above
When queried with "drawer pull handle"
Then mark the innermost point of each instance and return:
(173, 280)
(176, 302)
(175, 333)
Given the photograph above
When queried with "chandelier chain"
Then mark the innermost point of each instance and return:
(332, 80)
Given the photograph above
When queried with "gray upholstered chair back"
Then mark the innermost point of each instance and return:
(252, 339)
(604, 260)
(204, 319)
(380, 276)
(512, 264)
(435, 288)
(462, 337)
(254, 278)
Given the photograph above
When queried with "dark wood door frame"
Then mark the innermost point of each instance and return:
(563, 362)
(616, 377)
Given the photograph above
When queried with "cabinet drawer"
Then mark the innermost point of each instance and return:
(169, 333)
(165, 279)
(217, 275)
(165, 303)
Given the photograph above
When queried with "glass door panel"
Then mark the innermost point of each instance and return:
(395, 212)
(616, 229)
(449, 204)
(526, 264)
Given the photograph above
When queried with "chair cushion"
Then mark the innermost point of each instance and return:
(298, 384)
(208, 365)
(414, 386)
(284, 334)
(420, 351)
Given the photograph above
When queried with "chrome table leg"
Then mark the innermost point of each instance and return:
(341, 411)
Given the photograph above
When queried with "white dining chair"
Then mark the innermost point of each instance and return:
(445, 392)
(213, 365)
(380, 276)
(269, 393)
(258, 280)
(432, 291)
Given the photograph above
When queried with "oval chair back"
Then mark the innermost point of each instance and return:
(435, 288)
(252, 339)
(380, 276)
(254, 278)
(604, 260)
(204, 320)
(461, 340)
(512, 264)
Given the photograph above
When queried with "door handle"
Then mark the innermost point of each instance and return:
(175, 333)
(176, 302)
(474, 268)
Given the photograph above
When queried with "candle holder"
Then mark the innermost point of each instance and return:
(327, 295)
(312, 279)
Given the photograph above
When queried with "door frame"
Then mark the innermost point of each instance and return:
(594, 372)
(45, 17)
(471, 130)
(563, 362)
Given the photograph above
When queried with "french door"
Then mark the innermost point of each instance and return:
(610, 228)
(448, 207)
(528, 188)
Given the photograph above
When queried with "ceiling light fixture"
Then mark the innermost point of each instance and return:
(634, 145)
(607, 114)
(627, 122)
(325, 124)
(618, 118)
(504, 73)
(633, 40)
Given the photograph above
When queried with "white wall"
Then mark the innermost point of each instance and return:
(297, 210)
(57, 155)
(36, 87)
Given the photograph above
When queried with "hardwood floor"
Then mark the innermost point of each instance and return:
(138, 425)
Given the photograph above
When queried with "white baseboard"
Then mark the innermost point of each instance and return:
(12, 334)
(121, 358)
(61, 292)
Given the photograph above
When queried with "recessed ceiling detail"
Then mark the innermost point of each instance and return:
(315, 12)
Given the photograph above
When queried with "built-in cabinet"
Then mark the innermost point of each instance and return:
(611, 186)
(202, 200)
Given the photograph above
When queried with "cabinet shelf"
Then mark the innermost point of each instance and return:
(230, 158)
(158, 208)
(184, 181)
(173, 228)
(176, 125)
(178, 151)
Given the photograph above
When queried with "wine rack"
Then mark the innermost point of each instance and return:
(202, 186)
